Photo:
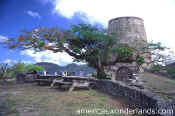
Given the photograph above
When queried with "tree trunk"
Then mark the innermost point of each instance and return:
(100, 71)
(101, 74)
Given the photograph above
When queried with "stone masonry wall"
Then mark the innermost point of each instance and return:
(139, 98)
(131, 30)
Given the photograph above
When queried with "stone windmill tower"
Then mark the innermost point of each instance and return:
(131, 32)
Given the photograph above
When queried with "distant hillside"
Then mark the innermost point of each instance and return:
(50, 67)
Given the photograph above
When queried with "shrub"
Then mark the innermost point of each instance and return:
(157, 68)
(23, 67)
(171, 71)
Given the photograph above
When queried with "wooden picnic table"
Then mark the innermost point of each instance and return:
(73, 81)
(46, 78)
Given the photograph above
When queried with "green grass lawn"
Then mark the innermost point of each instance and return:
(32, 100)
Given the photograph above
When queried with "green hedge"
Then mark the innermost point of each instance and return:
(157, 68)
(171, 71)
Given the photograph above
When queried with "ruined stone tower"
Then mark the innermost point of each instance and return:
(130, 30)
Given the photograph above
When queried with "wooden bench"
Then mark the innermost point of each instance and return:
(46, 79)
(60, 82)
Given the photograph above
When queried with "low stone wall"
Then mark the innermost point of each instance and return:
(25, 78)
(138, 98)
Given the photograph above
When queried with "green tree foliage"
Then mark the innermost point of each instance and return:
(85, 43)
(19, 67)
(157, 68)
(171, 71)
(23, 67)
(34, 67)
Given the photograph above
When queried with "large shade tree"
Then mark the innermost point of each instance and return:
(83, 42)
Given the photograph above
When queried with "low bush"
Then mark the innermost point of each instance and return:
(171, 71)
(157, 68)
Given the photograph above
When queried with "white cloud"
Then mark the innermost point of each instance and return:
(33, 14)
(3, 38)
(48, 56)
(9, 61)
(158, 14)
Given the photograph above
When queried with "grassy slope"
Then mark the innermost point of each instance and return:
(159, 84)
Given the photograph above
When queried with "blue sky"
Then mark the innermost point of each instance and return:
(29, 14)
(16, 15)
